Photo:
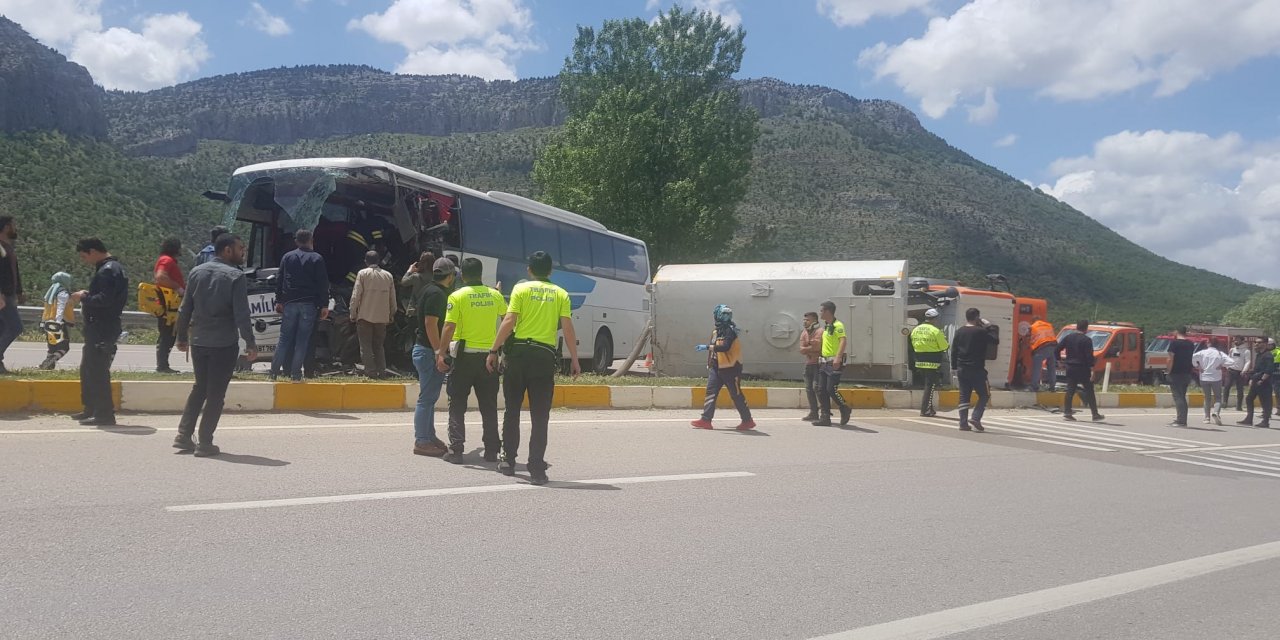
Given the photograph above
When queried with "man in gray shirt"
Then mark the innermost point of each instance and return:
(216, 313)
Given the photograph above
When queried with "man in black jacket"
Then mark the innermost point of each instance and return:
(10, 287)
(101, 306)
(969, 357)
(1079, 359)
(1260, 382)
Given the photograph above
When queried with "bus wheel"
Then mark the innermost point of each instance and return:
(602, 355)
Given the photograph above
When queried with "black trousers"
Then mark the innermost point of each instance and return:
(1080, 380)
(470, 373)
(1262, 392)
(973, 381)
(932, 379)
(829, 389)
(95, 377)
(530, 370)
(811, 387)
(1237, 379)
(164, 344)
(214, 366)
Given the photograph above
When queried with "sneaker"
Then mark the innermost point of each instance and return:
(165, 370)
(746, 426)
(184, 443)
(538, 478)
(810, 417)
(433, 449)
(1206, 421)
(965, 427)
(701, 424)
(490, 456)
(204, 450)
(99, 422)
(1264, 425)
(1217, 419)
(845, 412)
(977, 426)
(1175, 423)
(1068, 417)
(83, 415)
(824, 421)
(507, 468)
(1246, 422)
(1098, 417)
(453, 456)
(295, 380)
(928, 414)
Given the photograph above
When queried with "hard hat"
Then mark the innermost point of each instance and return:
(931, 314)
(722, 313)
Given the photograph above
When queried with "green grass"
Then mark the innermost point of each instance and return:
(136, 336)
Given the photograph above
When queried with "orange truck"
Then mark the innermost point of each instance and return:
(1012, 314)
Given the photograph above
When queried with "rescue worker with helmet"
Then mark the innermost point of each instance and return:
(724, 369)
(928, 345)
(1044, 351)
(58, 318)
(537, 312)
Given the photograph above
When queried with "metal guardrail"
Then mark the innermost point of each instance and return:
(129, 319)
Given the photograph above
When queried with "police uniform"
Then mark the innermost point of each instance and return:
(928, 344)
(532, 359)
(474, 311)
(831, 367)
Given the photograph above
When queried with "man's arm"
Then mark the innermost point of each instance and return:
(356, 294)
(838, 364)
(161, 278)
(504, 331)
(571, 341)
(240, 311)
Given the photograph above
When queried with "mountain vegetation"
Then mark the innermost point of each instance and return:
(41, 90)
(832, 177)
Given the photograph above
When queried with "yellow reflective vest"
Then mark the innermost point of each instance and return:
(929, 343)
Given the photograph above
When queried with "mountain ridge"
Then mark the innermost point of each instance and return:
(41, 90)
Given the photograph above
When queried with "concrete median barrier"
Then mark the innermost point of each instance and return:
(242, 396)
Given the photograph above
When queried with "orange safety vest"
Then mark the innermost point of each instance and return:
(1042, 334)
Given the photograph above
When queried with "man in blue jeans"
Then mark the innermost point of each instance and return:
(431, 308)
(302, 292)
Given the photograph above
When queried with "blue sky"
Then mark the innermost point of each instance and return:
(1160, 118)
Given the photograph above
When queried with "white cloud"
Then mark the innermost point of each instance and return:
(54, 22)
(1007, 141)
(726, 9)
(262, 20)
(168, 48)
(1205, 201)
(986, 112)
(1075, 50)
(476, 37)
(852, 13)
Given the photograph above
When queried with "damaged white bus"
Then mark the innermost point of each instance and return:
(355, 204)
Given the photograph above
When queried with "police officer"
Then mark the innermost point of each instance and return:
(831, 366)
(928, 344)
(471, 315)
(1260, 385)
(102, 304)
(538, 310)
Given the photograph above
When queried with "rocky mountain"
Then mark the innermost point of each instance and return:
(281, 106)
(41, 90)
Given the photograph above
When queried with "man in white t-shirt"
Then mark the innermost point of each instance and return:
(1212, 364)
(1238, 372)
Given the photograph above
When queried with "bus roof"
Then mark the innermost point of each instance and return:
(833, 270)
(511, 200)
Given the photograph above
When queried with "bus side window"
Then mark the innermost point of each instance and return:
(630, 262)
(602, 255)
(575, 245)
(540, 235)
(492, 230)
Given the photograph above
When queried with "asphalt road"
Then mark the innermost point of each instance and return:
(325, 526)
(129, 357)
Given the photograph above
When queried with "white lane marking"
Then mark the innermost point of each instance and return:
(1063, 444)
(1221, 448)
(1216, 458)
(451, 491)
(1090, 427)
(994, 612)
(1261, 455)
(1220, 466)
(1059, 432)
(946, 424)
(1050, 433)
(327, 425)
(1247, 457)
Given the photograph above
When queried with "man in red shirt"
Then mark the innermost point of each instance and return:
(168, 275)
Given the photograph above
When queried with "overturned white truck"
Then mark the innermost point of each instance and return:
(769, 300)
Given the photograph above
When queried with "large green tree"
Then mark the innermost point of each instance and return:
(658, 143)
(1261, 310)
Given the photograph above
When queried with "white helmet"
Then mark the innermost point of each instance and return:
(931, 314)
